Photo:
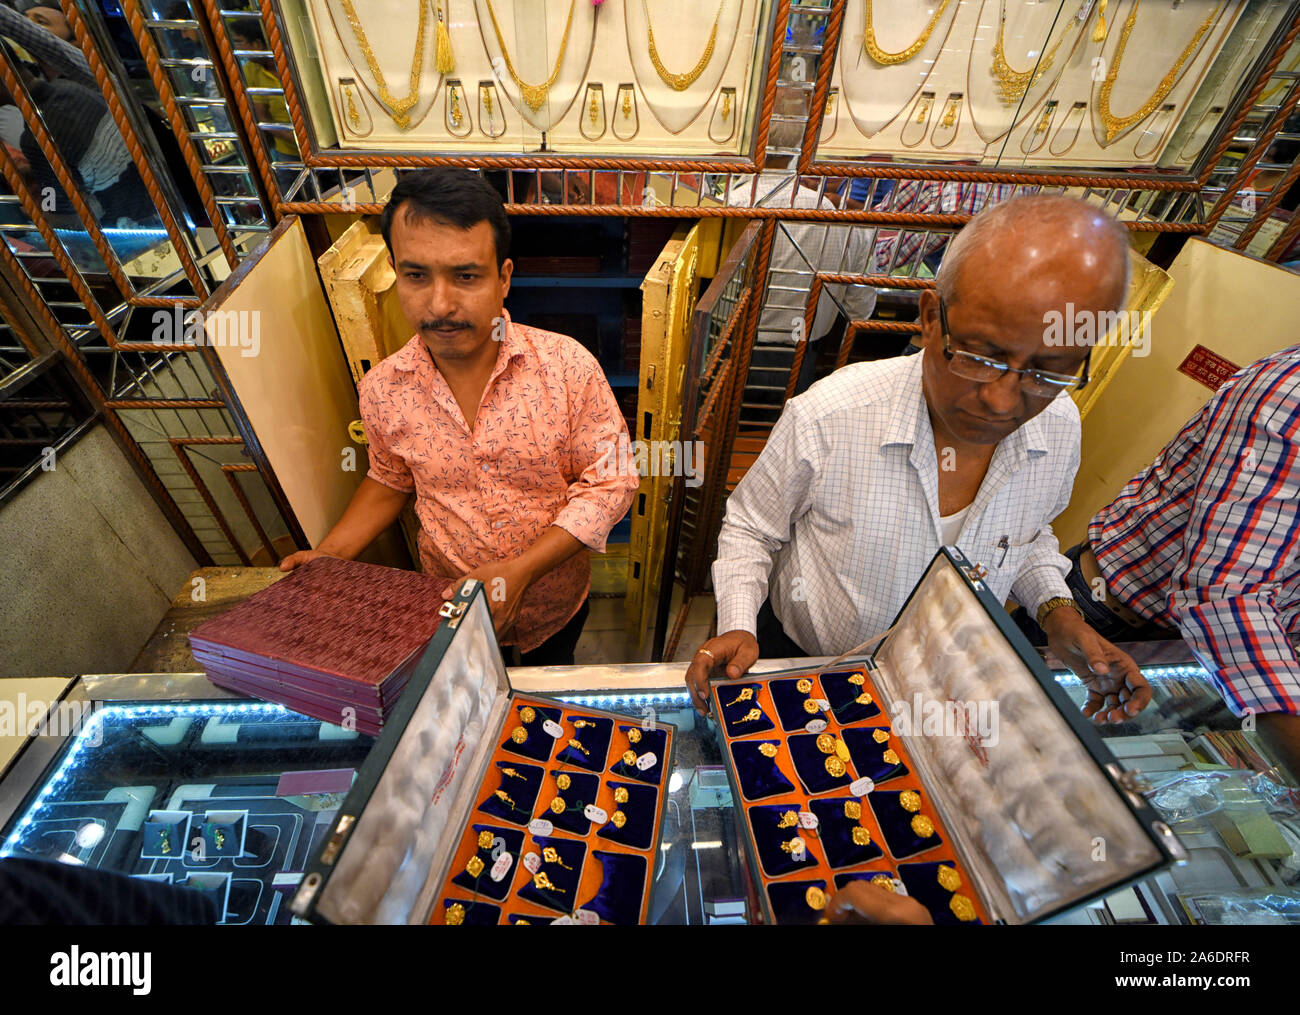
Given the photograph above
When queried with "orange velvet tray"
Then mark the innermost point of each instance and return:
(591, 873)
(798, 799)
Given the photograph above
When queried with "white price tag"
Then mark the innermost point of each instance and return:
(815, 726)
(807, 819)
(532, 863)
(899, 887)
(563, 920)
(596, 814)
(647, 761)
(586, 917)
(862, 787)
(823, 704)
(553, 728)
(540, 826)
(502, 867)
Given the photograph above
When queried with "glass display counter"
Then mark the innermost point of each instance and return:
(171, 779)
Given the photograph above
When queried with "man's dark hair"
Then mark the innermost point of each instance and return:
(450, 196)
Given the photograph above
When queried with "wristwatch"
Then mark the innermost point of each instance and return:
(1053, 603)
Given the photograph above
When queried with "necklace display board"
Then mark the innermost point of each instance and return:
(639, 77)
(1055, 82)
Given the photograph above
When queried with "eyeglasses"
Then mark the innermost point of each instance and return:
(1038, 383)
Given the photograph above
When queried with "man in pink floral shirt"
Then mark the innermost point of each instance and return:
(501, 431)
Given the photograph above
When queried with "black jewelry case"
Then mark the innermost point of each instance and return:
(1012, 790)
(405, 846)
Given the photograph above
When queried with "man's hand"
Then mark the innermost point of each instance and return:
(505, 582)
(863, 902)
(302, 556)
(1116, 688)
(733, 653)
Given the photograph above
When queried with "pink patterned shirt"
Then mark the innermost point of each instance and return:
(532, 460)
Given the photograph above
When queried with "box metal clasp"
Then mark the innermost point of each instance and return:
(1132, 781)
(452, 612)
(331, 851)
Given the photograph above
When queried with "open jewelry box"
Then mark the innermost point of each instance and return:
(479, 805)
(949, 765)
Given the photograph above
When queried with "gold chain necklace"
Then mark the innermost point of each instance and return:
(903, 55)
(397, 108)
(1011, 83)
(1116, 125)
(681, 82)
(534, 95)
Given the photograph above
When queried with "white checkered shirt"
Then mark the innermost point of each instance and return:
(838, 518)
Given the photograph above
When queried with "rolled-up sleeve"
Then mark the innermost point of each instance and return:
(760, 515)
(600, 491)
(386, 466)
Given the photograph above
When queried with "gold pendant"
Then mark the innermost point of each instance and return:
(534, 95)
(398, 109)
(1116, 125)
(888, 59)
(681, 82)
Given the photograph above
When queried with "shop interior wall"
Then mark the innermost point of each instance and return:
(89, 568)
(1235, 305)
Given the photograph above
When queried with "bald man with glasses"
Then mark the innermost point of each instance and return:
(972, 443)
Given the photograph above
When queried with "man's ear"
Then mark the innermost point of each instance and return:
(928, 318)
(507, 269)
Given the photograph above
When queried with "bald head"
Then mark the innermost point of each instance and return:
(1050, 249)
(1015, 268)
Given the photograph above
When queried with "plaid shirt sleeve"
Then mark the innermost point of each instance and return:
(761, 512)
(1241, 545)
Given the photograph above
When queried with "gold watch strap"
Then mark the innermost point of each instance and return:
(1053, 603)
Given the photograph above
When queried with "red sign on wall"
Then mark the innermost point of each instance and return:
(1208, 367)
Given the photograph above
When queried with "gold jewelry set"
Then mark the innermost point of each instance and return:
(1012, 84)
(533, 94)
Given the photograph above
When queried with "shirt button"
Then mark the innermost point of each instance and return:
(485, 467)
(498, 525)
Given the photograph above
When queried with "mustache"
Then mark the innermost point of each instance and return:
(445, 324)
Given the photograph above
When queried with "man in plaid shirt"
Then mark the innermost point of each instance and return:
(973, 443)
(1206, 541)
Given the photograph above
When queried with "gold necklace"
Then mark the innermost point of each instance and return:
(681, 82)
(397, 108)
(1116, 125)
(1011, 83)
(534, 95)
(903, 55)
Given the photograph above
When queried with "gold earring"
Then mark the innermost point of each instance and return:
(552, 855)
(746, 695)
(540, 880)
(795, 845)
(804, 686)
(618, 819)
(753, 715)
(788, 820)
(512, 773)
(527, 714)
(485, 840)
(577, 746)
(475, 867)
(563, 781)
(633, 736)
(620, 795)
(502, 795)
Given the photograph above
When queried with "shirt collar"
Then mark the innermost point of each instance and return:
(908, 412)
(414, 355)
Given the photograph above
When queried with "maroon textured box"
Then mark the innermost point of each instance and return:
(336, 639)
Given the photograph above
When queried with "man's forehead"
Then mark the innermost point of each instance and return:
(438, 239)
